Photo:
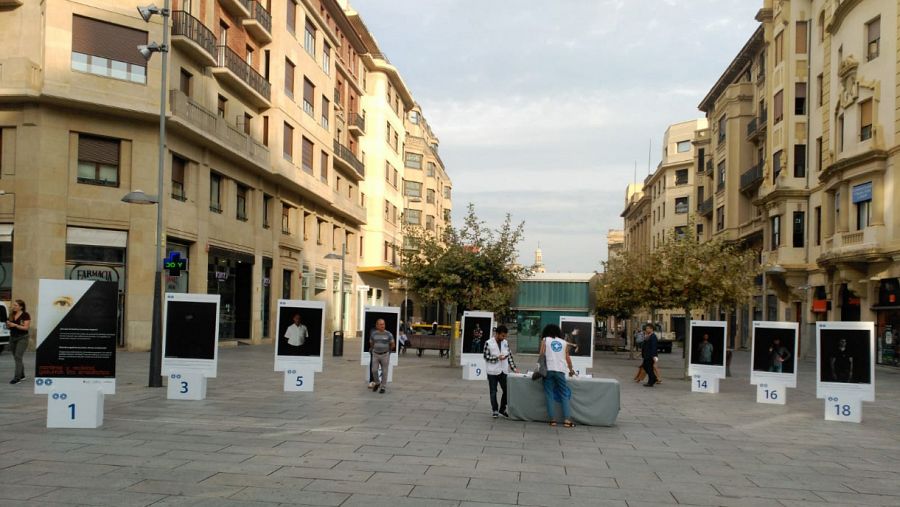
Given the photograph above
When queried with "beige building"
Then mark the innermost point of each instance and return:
(264, 170)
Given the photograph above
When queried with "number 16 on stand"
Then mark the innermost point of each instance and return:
(774, 394)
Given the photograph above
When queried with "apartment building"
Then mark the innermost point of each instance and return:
(264, 171)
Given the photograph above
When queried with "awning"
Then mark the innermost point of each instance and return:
(885, 307)
(6, 231)
(96, 237)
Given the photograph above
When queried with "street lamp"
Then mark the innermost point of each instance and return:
(342, 256)
(139, 197)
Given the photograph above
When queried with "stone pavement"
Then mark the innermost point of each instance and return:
(430, 441)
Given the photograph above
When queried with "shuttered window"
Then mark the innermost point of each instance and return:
(288, 78)
(288, 142)
(178, 165)
(98, 160)
(309, 92)
(291, 15)
(108, 50)
(779, 106)
(307, 155)
(800, 45)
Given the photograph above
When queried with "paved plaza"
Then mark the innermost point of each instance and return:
(431, 441)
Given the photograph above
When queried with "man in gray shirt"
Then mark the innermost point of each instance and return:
(381, 343)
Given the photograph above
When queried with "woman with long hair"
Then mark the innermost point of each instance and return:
(19, 322)
(556, 352)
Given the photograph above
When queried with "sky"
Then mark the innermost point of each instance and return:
(543, 109)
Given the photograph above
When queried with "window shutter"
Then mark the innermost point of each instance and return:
(288, 76)
(865, 113)
(98, 150)
(874, 31)
(307, 154)
(308, 91)
(106, 40)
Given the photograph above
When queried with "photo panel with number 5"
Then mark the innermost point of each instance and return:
(190, 333)
(371, 315)
(477, 329)
(300, 334)
(774, 353)
(845, 363)
(707, 353)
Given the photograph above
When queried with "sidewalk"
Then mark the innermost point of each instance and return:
(430, 441)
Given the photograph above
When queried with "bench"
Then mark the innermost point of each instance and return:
(613, 343)
(423, 342)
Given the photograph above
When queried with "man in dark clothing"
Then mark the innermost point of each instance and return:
(649, 353)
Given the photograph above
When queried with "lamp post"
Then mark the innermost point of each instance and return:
(139, 197)
(342, 256)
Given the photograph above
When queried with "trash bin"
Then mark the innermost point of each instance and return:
(337, 347)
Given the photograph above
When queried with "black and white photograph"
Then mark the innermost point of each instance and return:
(774, 350)
(578, 335)
(299, 330)
(845, 356)
(477, 328)
(708, 345)
(190, 332)
(391, 317)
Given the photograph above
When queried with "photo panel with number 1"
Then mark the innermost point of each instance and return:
(300, 335)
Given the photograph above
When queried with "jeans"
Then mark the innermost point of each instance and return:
(648, 367)
(493, 380)
(383, 360)
(776, 367)
(555, 388)
(18, 351)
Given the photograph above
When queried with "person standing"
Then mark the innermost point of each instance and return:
(499, 362)
(778, 354)
(19, 323)
(381, 343)
(556, 352)
(4, 331)
(649, 353)
(841, 363)
(705, 350)
(296, 335)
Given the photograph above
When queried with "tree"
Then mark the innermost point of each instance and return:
(470, 268)
(621, 291)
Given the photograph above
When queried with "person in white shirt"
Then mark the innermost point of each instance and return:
(296, 335)
(499, 362)
(556, 352)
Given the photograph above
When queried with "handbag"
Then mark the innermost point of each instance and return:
(542, 368)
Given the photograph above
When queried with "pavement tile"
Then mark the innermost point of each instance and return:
(370, 487)
(290, 496)
(556, 501)
(359, 500)
(92, 496)
(258, 481)
(23, 491)
(497, 495)
(318, 473)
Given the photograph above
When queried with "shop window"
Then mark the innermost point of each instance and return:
(215, 193)
(98, 160)
(179, 166)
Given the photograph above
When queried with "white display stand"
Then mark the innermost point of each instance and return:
(75, 408)
(705, 384)
(189, 385)
(771, 393)
(467, 358)
(299, 380)
(474, 370)
(580, 363)
(843, 408)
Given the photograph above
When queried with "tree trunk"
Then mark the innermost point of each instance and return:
(686, 352)
(454, 339)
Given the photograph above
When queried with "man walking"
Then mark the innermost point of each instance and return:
(648, 352)
(381, 342)
(499, 362)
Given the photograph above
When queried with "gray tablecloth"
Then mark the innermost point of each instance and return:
(595, 402)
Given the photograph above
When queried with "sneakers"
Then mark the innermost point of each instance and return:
(371, 385)
(381, 390)
(375, 387)
(15, 380)
(495, 414)
(504, 413)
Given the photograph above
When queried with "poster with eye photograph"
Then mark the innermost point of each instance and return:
(379, 320)
(477, 329)
(300, 336)
(76, 335)
(190, 334)
(774, 353)
(845, 364)
(707, 348)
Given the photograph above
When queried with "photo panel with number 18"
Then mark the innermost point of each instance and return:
(845, 362)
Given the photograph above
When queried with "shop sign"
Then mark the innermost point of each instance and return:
(819, 306)
(94, 272)
(862, 193)
(221, 276)
(174, 264)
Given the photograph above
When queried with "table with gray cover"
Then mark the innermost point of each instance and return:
(595, 401)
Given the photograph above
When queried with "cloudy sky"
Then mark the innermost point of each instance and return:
(543, 108)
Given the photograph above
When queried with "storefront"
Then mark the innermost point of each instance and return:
(887, 322)
(6, 262)
(230, 275)
(178, 284)
(99, 254)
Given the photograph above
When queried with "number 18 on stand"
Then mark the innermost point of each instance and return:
(845, 368)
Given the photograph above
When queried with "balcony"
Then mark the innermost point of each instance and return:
(215, 128)
(357, 124)
(763, 116)
(11, 3)
(752, 178)
(709, 168)
(20, 77)
(350, 208)
(237, 8)
(259, 24)
(345, 158)
(705, 208)
(751, 128)
(234, 71)
(194, 38)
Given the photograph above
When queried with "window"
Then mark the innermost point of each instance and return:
(178, 165)
(98, 161)
(413, 160)
(387, 252)
(865, 120)
(800, 46)
(266, 211)
(286, 219)
(873, 39)
(863, 214)
(721, 176)
(288, 142)
(721, 128)
(387, 211)
(799, 160)
(700, 195)
(291, 16)
(309, 39)
(818, 215)
(413, 216)
(840, 133)
(309, 92)
(395, 141)
(700, 159)
(779, 47)
(683, 146)
(185, 82)
(414, 117)
(323, 169)
(800, 98)
(307, 155)
(247, 119)
(321, 227)
(776, 165)
(720, 218)
(681, 177)
(326, 112)
(215, 193)
(699, 231)
(326, 59)
(779, 106)
(775, 223)
(819, 154)
(430, 195)
(241, 203)
(108, 50)
(429, 223)
(249, 58)
(412, 189)
(819, 92)
(265, 139)
(446, 192)
(681, 205)
(289, 77)
(286, 275)
(680, 231)
(430, 170)
(221, 103)
(821, 26)
(799, 229)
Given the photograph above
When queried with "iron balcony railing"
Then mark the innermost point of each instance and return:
(763, 116)
(358, 120)
(346, 155)
(188, 26)
(752, 177)
(233, 62)
(751, 127)
(260, 14)
(705, 207)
